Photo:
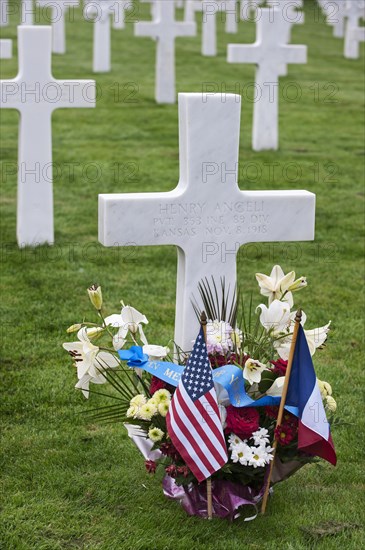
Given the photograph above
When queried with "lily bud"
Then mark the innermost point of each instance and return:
(298, 284)
(94, 331)
(74, 328)
(331, 404)
(327, 388)
(95, 296)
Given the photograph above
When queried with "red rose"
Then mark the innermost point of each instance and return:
(279, 367)
(242, 421)
(156, 384)
(150, 466)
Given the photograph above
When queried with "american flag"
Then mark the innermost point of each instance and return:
(193, 420)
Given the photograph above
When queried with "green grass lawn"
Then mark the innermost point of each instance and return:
(66, 484)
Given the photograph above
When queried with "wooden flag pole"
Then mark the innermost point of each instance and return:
(203, 322)
(298, 318)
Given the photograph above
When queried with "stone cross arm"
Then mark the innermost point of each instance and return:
(252, 53)
(161, 29)
(6, 46)
(176, 218)
(34, 88)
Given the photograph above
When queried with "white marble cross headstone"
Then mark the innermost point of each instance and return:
(36, 94)
(291, 17)
(209, 28)
(354, 34)
(5, 48)
(209, 23)
(121, 6)
(270, 54)
(206, 216)
(191, 6)
(58, 14)
(27, 12)
(165, 29)
(101, 12)
(230, 8)
(335, 16)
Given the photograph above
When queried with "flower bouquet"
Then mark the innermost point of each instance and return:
(217, 412)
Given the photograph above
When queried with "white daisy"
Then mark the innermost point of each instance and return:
(261, 436)
(242, 453)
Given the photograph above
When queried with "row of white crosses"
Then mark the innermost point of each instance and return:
(165, 29)
(35, 93)
(6, 45)
(198, 216)
(210, 11)
(228, 9)
(35, 203)
(344, 16)
(59, 11)
(354, 34)
(207, 217)
(271, 55)
(102, 13)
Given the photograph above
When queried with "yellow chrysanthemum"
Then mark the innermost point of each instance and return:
(163, 408)
(162, 396)
(147, 411)
(155, 434)
(138, 400)
(132, 411)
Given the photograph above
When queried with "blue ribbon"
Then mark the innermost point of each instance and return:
(229, 377)
(168, 372)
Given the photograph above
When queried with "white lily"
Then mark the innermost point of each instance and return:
(252, 371)
(90, 361)
(129, 320)
(276, 286)
(277, 387)
(155, 353)
(276, 317)
(315, 337)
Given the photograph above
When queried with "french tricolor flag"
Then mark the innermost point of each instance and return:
(314, 436)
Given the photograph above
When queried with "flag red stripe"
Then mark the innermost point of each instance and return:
(189, 436)
(210, 439)
(219, 436)
(186, 456)
(312, 443)
(182, 450)
(217, 430)
(195, 422)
